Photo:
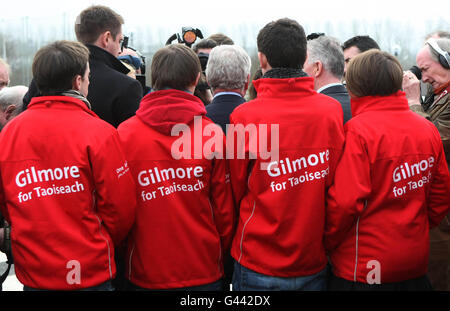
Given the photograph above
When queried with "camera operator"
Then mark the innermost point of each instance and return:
(434, 61)
(131, 57)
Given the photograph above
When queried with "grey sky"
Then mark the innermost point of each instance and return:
(231, 11)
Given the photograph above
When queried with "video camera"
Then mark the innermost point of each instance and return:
(188, 36)
(135, 62)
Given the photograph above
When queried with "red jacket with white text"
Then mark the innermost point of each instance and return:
(67, 191)
(391, 186)
(185, 213)
(281, 196)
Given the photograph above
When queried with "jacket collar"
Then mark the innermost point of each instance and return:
(392, 102)
(162, 110)
(278, 87)
(332, 88)
(64, 101)
(103, 56)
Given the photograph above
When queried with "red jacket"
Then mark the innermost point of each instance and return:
(184, 220)
(280, 230)
(65, 187)
(391, 185)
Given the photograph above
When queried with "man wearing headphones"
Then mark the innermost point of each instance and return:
(434, 62)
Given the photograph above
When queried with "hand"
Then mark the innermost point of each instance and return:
(411, 86)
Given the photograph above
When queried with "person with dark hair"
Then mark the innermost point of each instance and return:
(203, 90)
(221, 39)
(433, 60)
(325, 63)
(251, 90)
(65, 185)
(113, 95)
(278, 242)
(185, 215)
(205, 46)
(357, 45)
(391, 185)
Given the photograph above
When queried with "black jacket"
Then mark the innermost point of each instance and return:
(339, 92)
(114, 96)
(221, 107)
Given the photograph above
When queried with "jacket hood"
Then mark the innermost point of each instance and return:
(396, 101)
(162, 110)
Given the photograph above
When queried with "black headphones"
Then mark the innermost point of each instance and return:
(444, 57)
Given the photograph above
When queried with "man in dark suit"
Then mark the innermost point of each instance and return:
(114, 96)
(325, 63)
(228, 75)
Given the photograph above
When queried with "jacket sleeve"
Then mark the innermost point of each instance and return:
(439, 195)
(346, 198)
(239, 167)
(222, 202)
(115, 188)
(128, 102)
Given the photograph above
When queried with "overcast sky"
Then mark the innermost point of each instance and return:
(155, 21)
(232, 11)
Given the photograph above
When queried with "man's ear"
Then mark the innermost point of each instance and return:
(319, 68)
(76, 83)
(265, 66)
(9, 112)
(191, 88)
(103, 39)
(198, 79)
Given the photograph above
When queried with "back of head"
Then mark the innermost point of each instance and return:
(438, 34)
(94, 21)
(374, 73)
(283, 42)
(363, 43)
(205, 44)
(56, 65)
(328, 51)
(228, 67)
(13, 96)
(176, 67)
(221, 39)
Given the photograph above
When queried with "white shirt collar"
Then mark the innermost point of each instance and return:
(227, 93)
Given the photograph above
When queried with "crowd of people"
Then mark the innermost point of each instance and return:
(328, 169)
